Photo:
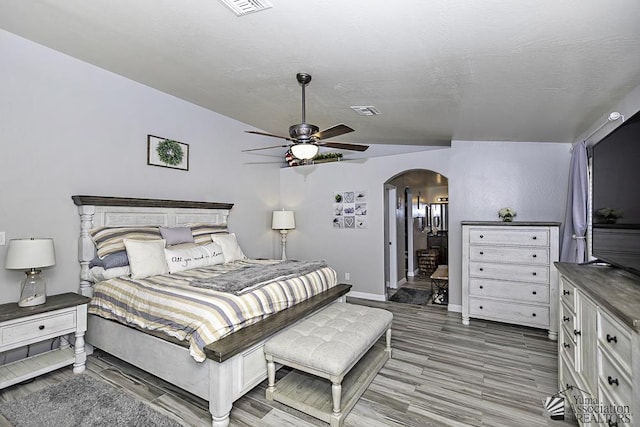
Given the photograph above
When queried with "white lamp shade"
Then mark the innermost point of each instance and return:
(30, 253)
(304, 151)
(283, 220)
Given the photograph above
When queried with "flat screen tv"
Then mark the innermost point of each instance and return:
(616, 197)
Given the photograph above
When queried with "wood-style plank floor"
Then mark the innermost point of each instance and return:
(442, 374)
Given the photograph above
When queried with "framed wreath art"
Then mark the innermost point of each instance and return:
(167, 153)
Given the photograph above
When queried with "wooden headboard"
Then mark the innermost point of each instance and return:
(97, 211)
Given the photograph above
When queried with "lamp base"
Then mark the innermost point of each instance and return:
(33, 290)
(32, 300)
(283, 234)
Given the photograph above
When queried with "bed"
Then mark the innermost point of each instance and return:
(233, 364)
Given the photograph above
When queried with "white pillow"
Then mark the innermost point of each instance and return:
(98, 274)
(146, 257)
(229, 245)
(190, 255)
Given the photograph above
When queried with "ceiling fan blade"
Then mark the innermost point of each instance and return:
(267, 148)
(343, 146)
(334, 131)
(268, 134)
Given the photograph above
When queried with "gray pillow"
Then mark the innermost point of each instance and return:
(116, 259)
(176, 235)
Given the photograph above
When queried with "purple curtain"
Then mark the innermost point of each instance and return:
(575, 220)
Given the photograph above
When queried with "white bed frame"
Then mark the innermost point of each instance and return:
(235, 364)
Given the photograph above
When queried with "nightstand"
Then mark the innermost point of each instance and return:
(20, 326)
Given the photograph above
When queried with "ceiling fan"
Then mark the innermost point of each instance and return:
(306, 139)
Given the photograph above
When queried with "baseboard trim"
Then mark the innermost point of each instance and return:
(454, 307)
(366, 295)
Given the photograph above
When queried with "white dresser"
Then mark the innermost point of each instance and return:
(599, 345)
(508, 273)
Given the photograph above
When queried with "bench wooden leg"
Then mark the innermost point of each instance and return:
(336, 394)
(271, 378)
(388, 349)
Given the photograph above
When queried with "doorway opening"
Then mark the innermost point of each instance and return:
(417, 233)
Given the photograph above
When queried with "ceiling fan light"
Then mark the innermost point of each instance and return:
(304, 151)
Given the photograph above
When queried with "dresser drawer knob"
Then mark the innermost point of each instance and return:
(481, 269)
(566, 293)
(612, 338)
(612, 381)
(565, 318)
(534, 292)
(482, 236)
(535, 237)
(566, 345)
(534, 315)
(535, 274)
(480, 307)
(535, 256)
(482, 287)
(41, 327)
(481, 253)
(576, 332)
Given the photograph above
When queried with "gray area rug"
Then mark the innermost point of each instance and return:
(82, 401)
(412, 296)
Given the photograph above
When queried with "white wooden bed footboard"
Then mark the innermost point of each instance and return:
(234, 364)
(219, 383)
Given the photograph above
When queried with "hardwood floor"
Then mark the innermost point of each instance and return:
(442, 374)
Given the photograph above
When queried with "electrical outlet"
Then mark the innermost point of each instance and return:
(347, 276)
(2, 238)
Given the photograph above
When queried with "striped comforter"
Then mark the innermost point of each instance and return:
(168, 303)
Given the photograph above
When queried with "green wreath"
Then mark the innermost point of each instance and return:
(170, 152)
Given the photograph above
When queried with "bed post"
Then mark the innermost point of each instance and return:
(85, 248)
(220, 392)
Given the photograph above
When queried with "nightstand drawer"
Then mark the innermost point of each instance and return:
(43, 327)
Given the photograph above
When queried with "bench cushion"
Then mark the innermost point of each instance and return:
(332, 340)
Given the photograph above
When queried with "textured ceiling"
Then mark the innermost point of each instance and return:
(438, 70)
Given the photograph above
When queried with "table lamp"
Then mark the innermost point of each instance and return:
(31, 255)
(283, 221)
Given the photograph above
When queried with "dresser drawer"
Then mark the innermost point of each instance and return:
(615, 339)
(623, 411)
(568, 294)
(523, 314)
(567, 318)
(38, 327)
(521, 273)
(614, 381)
(567, 347)
(524, 292)
(509, 255)
(511, 236)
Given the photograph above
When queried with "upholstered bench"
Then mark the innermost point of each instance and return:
(339, 344)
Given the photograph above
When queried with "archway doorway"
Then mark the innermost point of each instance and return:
(416, 206)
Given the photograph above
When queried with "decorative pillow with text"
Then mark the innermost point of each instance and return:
(188, 256)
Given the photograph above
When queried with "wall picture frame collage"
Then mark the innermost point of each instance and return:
(350, 210)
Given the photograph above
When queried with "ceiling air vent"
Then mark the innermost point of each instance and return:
(365, 110)
(243, 7)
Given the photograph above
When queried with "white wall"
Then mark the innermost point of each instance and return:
(69, 128)
(483, 177)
